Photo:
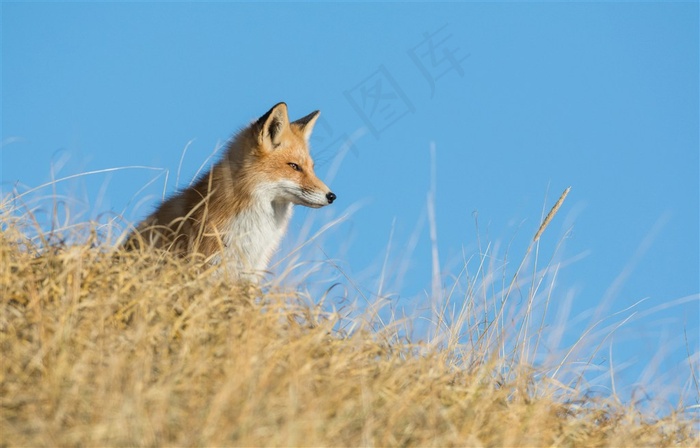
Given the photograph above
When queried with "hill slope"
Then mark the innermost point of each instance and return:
(142, 349)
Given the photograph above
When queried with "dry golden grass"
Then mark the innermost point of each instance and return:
(103, 348)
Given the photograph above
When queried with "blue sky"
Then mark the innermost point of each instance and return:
(519, 100)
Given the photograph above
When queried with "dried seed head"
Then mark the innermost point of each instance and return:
(550, 215)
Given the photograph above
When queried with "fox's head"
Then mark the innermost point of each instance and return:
(282, 160)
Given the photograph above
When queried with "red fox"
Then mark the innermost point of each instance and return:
(238, 212)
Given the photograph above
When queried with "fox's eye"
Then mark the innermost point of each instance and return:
(294, 166)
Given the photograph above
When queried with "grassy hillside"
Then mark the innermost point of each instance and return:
(134, 349)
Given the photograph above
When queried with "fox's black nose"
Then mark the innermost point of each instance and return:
(331, 197)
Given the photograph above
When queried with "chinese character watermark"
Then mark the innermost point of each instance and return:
(435, 57)
(326, 142)
(379, 101)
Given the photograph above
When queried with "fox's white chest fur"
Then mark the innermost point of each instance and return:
(254, 234)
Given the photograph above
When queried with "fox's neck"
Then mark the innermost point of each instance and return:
(254, 233)
(252, 218)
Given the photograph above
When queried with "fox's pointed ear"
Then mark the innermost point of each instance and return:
(306, 124)
(271, 125)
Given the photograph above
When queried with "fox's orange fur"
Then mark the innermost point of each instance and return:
(238, 212)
